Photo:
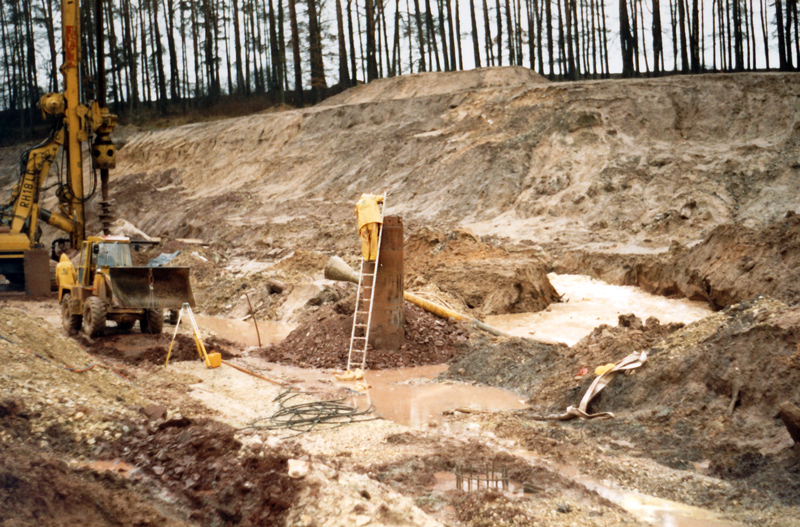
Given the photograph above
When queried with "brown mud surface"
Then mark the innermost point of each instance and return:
(203, 464)
(41, 489)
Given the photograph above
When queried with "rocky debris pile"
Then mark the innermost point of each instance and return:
(322, 340)
(54, 407)
(203, 464)
(484, 278)
(733, 263)
(331, 498)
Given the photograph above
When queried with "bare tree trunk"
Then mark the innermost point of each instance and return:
(237, 39)
(318, 83)
(344, 75)
(499, 18)
(487, 33)
(453, 62)
(174, 70)
(682, 22)
(764, 31)
(198, 78)
(298, 71)
(571, 72)
(274, 49)
(397, 62)
(635, 33)
(386, 37)
(549, 15)
(695, 37)
(422, 67)
(432, 34)
(410, 33)
(352, 43)
(476, 55)
(372, 64)
(787, 34)
(512, 58)
(443, 35)
(626, 40)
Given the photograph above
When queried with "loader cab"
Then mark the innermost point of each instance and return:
(113, 254)
(103, 252)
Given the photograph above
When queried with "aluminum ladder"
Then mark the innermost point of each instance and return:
(359, 336)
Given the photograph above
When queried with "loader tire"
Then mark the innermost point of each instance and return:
(152, 321)
(94, 316)
(72, 323)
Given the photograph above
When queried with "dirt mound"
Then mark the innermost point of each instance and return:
(427, 84)
(546, 372)
(135, 349)
(709, 392)
(481, 276)
(743, 359)
(205, 465)
(734, 263)
(322, 340)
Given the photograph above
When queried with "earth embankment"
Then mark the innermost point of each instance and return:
(605, 162)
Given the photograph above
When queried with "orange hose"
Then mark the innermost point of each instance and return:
(254, 374)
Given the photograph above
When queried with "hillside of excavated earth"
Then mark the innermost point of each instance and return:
(616, 164)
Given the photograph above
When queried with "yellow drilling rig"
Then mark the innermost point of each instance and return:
(24, 262)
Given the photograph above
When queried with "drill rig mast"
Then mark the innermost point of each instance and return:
(23, 259)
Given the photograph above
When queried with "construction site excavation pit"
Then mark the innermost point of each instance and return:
(588, 303)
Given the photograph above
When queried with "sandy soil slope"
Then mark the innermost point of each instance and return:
(642, 161)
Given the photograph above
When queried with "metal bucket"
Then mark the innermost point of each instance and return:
(150, 287)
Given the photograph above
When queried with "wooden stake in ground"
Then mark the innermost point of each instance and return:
(253, 314)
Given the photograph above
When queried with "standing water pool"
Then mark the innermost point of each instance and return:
(587, 303)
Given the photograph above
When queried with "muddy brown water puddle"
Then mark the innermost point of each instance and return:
(588, 303)
(244, 332)
(407, 396)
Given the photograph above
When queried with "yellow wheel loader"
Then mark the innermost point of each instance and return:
(110, 287)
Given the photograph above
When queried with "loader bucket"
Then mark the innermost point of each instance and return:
(131, 287)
